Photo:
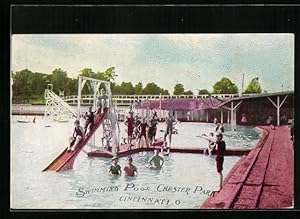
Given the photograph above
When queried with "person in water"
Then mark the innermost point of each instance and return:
(215, 120)
(115, 168)
(211, 143)
(34, 119)
(165, 149)
(130, 169)
(156, 160)
(130, 126)
(143, 133)
(89, 120)
(77, 136)
(219, 128)
(244, 119)
(170, 122)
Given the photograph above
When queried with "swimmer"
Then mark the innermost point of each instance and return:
(89, 120)
(165, 150)
(219, 128)
(156, 161)
(170, 122)
(78, 135)
(115, 168)
(211, 144)
(130, 169)
(221, 147)
(143, 133)
(130, 123)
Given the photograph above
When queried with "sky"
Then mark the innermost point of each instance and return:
(195, 60)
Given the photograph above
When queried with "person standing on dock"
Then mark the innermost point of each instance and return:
(170, 122)
(77, 136)
(143, 133)
(220, 149)
(130, 169)
(130, 123)
(136, 132)
(153, 128)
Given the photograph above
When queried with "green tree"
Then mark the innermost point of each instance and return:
(138, 88)
(253, 86)
(126, 88)
(178, 89)
(225, 86)
(164, 92)
(59, 79)
(87, 72)
(37, 82)
(189, 92)
(21, 83)
(110, 74)
(151, 89)
(203, 91)
(71, 86)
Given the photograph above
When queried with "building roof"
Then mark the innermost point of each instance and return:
(200, 103)
(252, 96)
(181, 104)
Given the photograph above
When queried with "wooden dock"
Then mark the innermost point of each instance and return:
(262, 179)
(123, 150)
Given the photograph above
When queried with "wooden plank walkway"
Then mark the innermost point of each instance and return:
(123, 151)
(262, 179)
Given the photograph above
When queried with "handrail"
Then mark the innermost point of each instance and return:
(132, 97)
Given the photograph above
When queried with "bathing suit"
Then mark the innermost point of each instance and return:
(130, 122)
(77, 132)
(143, 129)
(89, 120)
(114, 169)
(221, 147)
(129, 170)
(152, 129)
(156, 160)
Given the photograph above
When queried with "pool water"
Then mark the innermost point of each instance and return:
(185, 181)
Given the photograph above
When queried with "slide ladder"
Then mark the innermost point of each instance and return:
(65, 159)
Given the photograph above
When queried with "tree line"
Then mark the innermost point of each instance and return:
(28, 85)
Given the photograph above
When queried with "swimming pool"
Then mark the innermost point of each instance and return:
(185, 181)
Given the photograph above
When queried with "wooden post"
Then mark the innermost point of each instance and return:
(206, 115)
(278, 110)
(79, 96)
(221, 115)
(228, 117)
(231, 114)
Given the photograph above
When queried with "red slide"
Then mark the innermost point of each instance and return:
(65, 160)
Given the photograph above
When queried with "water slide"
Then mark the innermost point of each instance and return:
(65, 159)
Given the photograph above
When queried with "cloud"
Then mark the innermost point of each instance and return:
(163, 58)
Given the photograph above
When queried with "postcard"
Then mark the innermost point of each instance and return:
(152, 121)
